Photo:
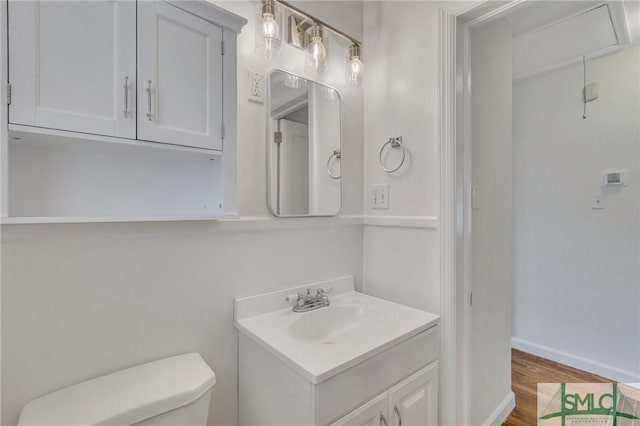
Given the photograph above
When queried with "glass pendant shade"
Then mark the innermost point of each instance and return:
(355, 67)
(316, 51)
(268, 34)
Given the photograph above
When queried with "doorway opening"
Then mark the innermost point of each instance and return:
(545, 216)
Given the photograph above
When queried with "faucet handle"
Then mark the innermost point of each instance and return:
(301, 298)
(295, 299)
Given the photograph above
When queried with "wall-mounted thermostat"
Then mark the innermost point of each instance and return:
(615, 178)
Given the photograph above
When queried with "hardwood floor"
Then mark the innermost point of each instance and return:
(526, 372)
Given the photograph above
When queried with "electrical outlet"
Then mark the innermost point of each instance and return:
(380, 196)
(255, 92)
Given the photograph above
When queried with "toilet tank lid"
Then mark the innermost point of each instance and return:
(124, 397)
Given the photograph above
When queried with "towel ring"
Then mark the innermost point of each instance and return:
(338, 155)
(395, 143)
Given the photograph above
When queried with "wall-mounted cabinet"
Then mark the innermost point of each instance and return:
(69, 63)
(119, 110)
(179, 77)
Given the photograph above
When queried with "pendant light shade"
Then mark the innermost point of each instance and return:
(355, 67)
(316, 50)
(268, 34)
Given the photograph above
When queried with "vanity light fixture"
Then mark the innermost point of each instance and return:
(355, 67)
(308, 33)
(268, 34)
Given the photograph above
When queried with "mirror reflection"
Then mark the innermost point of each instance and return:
(304, 147)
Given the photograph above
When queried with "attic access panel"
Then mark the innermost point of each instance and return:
(563, 42)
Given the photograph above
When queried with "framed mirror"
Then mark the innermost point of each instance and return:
(303, 147)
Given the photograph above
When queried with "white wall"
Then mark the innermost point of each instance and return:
(401, 249)
(402, 264)
(577, 291)
(83, 300)
(490, 279)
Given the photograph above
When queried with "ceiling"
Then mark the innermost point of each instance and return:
(552, 34)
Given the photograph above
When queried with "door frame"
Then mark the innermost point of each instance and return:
(455, 198)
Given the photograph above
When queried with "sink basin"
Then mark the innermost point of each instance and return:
(324, 342)
(337, 324)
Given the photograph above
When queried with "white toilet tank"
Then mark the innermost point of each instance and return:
(170, 392)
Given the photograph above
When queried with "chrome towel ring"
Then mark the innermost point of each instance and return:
(338, 155)
(395, 143)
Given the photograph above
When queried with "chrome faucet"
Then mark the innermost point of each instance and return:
(307, 302)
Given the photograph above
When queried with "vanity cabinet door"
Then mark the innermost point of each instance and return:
(414, 401)
(373, 413)
(179, 77)
(69, 62)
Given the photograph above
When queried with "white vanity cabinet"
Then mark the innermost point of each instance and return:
(179, 77)
(412, 402)
(399, 381)
(117, 110)
(361, 360)
(69, 62)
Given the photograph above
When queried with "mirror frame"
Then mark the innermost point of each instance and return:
(269, 143)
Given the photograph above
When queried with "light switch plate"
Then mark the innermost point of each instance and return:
(380, 196)
(255, 89)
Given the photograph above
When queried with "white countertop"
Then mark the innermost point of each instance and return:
(373, 326)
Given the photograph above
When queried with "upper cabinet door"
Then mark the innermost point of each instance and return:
(179, 77)
(72, 65)
(414, 401)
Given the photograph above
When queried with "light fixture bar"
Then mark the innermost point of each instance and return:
(319, 22)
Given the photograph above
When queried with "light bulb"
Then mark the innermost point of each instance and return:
(355, 70)
(270, 28)
(317, 51)
(271, 33)
(267, 29)
(355, 67)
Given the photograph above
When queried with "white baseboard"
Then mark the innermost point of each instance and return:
(502, 411)
(594, 367)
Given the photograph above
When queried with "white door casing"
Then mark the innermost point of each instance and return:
(454, 130)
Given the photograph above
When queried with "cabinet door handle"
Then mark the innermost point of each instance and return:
(149, 100)
(126, 96)
(383, 421)
(395, 410)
